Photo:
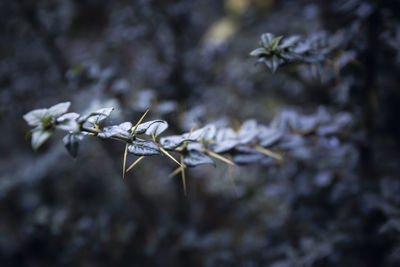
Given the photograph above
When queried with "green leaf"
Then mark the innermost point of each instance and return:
(273, 63)
(71, 143)
(144, 148)
(152, 127)
(266, 39)
(195, 158)
(58, 109)
(275, 42)
(39, 137)
(67, 122)
(35, 117)
(259, 52)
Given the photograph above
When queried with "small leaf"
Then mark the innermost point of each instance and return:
(247, 132)
(98, 116)
(266, 39)
(122, 129)
(71, 143)
(195, 158)
(144, 148)
(268, 136)
(275, 42)
(156, 128)
(259, 52)
(273, 63)
(39, 137)
(174, 141)
(205, 133)
(225, 146)
(35, 117)
(150, 128)
(288, 42)
(58, 109)
(67, 122)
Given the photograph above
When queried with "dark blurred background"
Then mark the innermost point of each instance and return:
(330, 203)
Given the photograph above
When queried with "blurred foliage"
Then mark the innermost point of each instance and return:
(333, 200)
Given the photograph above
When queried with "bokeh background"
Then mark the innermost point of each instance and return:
(330, 203)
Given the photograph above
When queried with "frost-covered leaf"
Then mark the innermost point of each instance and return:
(67, 122)
(247, 132)
(224, 146)
(98, 116)
(58, 109)
(205, 133)
(122, 129)
(71, 143)
(268, 136)
(155, 127)
(39, 136)
(35, 117)
(290, 41)
(144, 148)
(195, 158)
(174, 141)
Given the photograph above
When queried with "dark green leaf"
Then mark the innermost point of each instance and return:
(144, 148)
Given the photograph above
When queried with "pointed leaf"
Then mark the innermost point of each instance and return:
(58, 109)
(275, 42)
(71, 143)
(39, 137)
(35, 117)
(259, 52)
(266, 39)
